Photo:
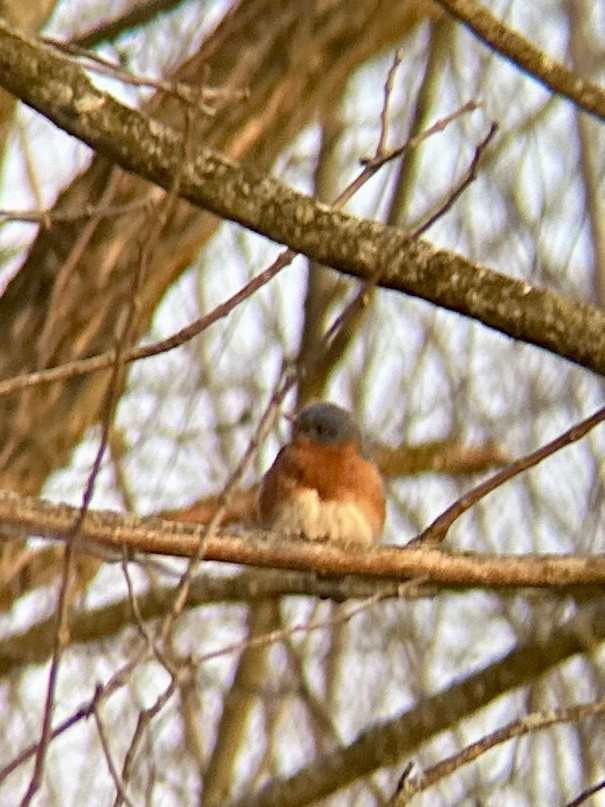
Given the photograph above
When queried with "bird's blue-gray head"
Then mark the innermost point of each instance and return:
(327, 424)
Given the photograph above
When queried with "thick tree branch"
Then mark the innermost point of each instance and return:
(112, 531)
(30, 17)
(388, 742)
(365, 249)
(59, 307)
(393, 740)
(34, 645)
(537, 64)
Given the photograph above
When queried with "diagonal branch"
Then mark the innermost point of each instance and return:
(537, 64)
(385, 743)
(392, 741)
(289, 70)
(261, 203)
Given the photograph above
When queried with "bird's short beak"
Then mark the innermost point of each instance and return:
(291, 417)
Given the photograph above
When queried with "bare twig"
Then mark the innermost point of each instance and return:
(517, 728)
(389, 86)
(117, 681)
(469, 177)
(519, 50)
(45, 218)
(336, 335)
(104, 360)
(115, 775)
(198, 97)
(135, 16)
(134, 602)
(145, 718)
(583, 797)
(347, 613)
(437, 531)
(373, 164)
(64, 602)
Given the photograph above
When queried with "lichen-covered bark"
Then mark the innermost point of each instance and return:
(29, 16)
(359, 247)
(68, 295)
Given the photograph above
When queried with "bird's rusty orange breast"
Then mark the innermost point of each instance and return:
(338, 473)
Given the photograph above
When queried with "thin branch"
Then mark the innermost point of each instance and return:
(517, 728)
(469, 177)
(583, 797)
(523, 53)
(373, 164)
(123, 337)
(347, 612)
(62, 629)
(181, 337)
(406, 178)
(387, 743)
(437, 531)
(117, 779)
(116, 682)
(196, 96)
(145, 718)
(45, 218)
(133, 601)
(357, 247)
(389, 86)
(139, 14)
(29, 751)
(342, 331)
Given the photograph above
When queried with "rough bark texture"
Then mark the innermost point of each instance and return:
(362, 248)
(28, 16)
(537, 64)
(68, 296)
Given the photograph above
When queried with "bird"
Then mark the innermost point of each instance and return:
(323, 486)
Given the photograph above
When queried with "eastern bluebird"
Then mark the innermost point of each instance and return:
(322, 485)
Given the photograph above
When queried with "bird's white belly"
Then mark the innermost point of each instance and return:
(337, 522)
